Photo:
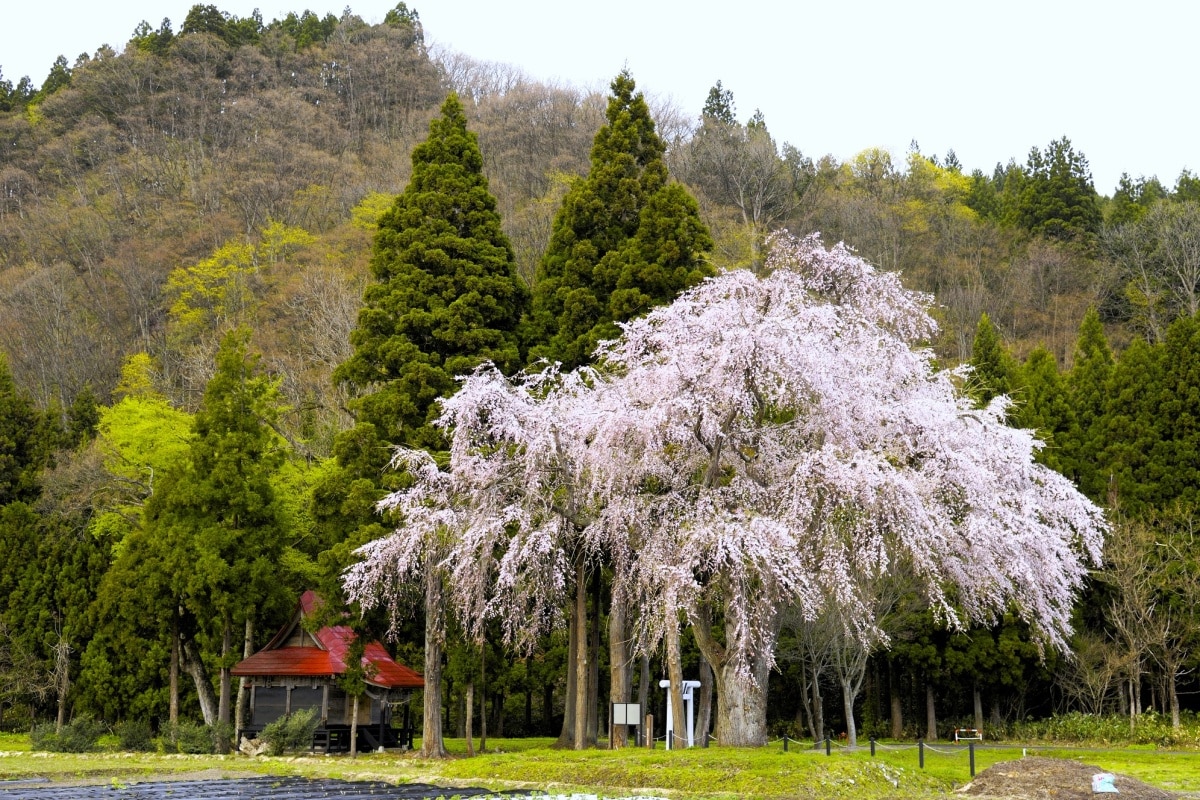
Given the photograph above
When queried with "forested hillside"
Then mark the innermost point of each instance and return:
(325, 225)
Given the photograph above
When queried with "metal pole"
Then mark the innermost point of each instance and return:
(921, 752)
(971, 752)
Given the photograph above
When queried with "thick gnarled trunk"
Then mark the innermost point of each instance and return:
(741, 699)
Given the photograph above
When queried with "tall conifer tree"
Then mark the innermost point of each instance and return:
(1128, 441)
(993, 370)
(446, 295)
(623, 241)
(1043, 406)
(446, 298)
(1087, 385)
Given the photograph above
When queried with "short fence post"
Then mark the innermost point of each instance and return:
(921, 752)
(828, 745)
(872, 747)
(706, 739)
(785, 738)
(649, 731)
(971, 752)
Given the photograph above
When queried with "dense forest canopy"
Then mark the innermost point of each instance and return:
(325, 225)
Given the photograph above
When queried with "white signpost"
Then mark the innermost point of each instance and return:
(688, 687)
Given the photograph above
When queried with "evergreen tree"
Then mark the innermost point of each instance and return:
(23, 441)
(446, 299)
(623, 241)
(1087, 386)
(1043, 406)
(1057, 198)
(1178, 415)
(719, 106)
(993, 371)
(446, 295)
(1128, 439)
(208, 554)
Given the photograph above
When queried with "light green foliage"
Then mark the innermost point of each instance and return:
(366, 214)
(213, 292)
(141, 438)
(209, 545)
(222, 291)
(623, 241)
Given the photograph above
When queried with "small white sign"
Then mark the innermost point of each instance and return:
(627, 714)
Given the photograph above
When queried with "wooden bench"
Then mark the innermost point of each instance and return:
(968, 734)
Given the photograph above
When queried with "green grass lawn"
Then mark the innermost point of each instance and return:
(716, 772)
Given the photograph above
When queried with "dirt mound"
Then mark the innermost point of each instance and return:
(1037, 777)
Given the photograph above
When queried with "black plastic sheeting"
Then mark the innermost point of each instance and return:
(266, 788)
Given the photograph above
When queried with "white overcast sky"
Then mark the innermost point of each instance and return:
(988, 79)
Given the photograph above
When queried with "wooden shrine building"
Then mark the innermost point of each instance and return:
(299, 669)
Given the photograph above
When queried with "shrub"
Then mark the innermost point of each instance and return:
(135, 735)
(1078, 728)
(293, 732)
(80, 735)
(190, 737)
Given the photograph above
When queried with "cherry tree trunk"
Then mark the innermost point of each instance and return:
(741, 706)
(848, 693)
(618, 666)
(675, 693)
(432, 745)
(581, 658)
(704, 713)
(469, 717)
(741, 698)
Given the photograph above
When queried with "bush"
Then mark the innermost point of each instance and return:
(293, 732)
(80, 735)
(1078, 728)
(135, 735)
(190, 737)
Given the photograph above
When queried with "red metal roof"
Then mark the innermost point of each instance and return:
(328, 658)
